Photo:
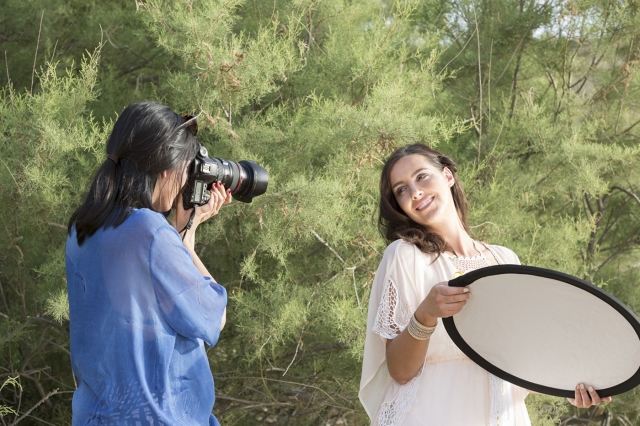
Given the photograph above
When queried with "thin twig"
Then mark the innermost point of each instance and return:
(479, 128)
(295, 354)
(513, 55)
(225, 111)
(46, 397)
(267, 379)
(327, 245)
(125, 47)
(265, 343)
(553, 169)
(52, 343)
(612, 220)
(629, 193)
(622, 419)
(250, 404)
(355, 288)
(26, 373)
(6, 63)
(41, 420)
(489, 123)
(53, 55)
(4, 300)
(33, 71)
(623, 247)
(332, 278)
(11, 174)
(486, 223)
(369, 244)
(459, 53)
(57, 225)
(627, 129)
(299, 338)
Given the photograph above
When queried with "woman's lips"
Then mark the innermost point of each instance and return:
(424, 204)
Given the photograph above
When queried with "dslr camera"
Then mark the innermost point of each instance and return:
(245, 179)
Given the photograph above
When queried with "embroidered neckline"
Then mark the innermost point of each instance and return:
(478, 257)
(450, 256)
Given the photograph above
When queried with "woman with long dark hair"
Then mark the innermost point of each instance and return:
(141, 303)
(413, 373)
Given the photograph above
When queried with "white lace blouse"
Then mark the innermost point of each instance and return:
(449, 389)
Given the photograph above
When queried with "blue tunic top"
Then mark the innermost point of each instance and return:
(140, 314)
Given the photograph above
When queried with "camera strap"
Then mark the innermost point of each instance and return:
(189, 223)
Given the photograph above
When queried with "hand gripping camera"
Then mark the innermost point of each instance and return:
(246, 179)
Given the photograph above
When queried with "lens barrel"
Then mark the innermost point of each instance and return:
(246, 179)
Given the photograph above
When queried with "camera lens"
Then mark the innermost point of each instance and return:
(254, 181)
(245, 179)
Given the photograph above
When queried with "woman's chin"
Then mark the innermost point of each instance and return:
(433, 219)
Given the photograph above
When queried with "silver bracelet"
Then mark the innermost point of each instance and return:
(419, 331)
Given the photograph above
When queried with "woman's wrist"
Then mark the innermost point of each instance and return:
(426, 320)
(419, 331)
(189, 238)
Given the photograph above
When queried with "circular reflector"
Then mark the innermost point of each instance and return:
(547, 331)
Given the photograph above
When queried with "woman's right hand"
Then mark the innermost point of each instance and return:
(219, 197)
(441, 302)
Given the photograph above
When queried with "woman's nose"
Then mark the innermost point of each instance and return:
(416, 193)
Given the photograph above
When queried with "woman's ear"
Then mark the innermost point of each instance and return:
(449, 177)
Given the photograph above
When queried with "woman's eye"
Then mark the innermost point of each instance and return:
(421, 176)
(400, 191)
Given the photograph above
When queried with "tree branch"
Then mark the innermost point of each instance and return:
(327, 245)
(629, 193)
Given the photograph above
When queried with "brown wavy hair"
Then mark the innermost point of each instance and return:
(393, 222)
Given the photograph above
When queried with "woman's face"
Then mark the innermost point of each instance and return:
(168, 186)
(423, 191)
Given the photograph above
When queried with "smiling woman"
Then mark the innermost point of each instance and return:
(413, 373)
(419, 171)
(421, 190)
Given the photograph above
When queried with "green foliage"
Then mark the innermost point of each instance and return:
(5, 410)
(535, 101)
(547, 409)
(48, 146)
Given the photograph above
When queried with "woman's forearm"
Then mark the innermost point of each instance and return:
(405, 356)
(189, 244)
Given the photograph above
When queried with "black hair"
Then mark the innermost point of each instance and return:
(145, 141)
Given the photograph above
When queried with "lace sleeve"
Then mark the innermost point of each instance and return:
(392, 316)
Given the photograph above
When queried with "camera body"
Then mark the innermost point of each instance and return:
(245, 179)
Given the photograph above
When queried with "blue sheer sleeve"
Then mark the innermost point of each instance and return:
(193, 305)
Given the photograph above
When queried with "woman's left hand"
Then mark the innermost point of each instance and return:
(586, 396)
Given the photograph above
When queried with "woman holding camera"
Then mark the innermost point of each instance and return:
(413, 373)
(142, 304)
